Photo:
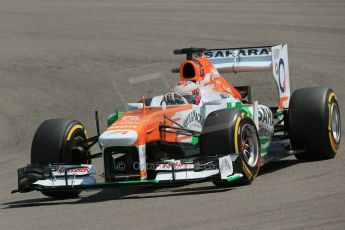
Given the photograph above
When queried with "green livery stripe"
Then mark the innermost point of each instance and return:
(247, 111)
(239, 105)
(264, 150)
(279, 112)
(265, 144)
(234, 177)
(195, 140)
(264, 140)
(113, 117)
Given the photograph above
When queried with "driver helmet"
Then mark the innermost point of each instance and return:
(189, 90)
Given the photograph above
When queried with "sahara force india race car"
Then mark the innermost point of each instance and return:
(224, 137)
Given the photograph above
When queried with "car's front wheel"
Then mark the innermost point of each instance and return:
(232, 131)
(55, 141)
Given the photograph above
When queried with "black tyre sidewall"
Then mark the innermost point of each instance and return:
(78, 134)
(50, 144)
(218, 132)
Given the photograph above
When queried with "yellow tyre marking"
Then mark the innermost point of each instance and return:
(86, 134)
(246, 170)
(72, 131)
(329, 118)
(330, 97)
(236, 134)
(334, 146)
(329, 111)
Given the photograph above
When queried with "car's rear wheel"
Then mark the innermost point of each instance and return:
(232, 131)
(314, 123)
(59, 141)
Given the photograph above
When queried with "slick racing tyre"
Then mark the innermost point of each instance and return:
(58, 141)
(314, 123)
(231, 131)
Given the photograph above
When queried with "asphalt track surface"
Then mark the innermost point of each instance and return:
(68, 58)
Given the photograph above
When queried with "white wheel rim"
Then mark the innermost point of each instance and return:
(336, 125)
(249, 145)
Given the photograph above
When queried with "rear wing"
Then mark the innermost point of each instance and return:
(251, 59)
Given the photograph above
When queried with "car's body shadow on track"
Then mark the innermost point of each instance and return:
(107, 194)
(142, 192)
(277, 165)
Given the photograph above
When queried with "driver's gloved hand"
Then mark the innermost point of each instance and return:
(173, 98)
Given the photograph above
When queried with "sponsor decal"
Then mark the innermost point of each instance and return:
(202, 72)
(265, 115)
(240, 52)
(177, 165)
(265, 132)
(224, 96)
(225, 166)
(276, 53)
(75, 170)
(193, 120)
(118, 132)
(280, 71)
(142, 161)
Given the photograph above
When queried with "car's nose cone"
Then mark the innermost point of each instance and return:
(118, 138)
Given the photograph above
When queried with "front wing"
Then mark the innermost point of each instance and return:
(70, 177)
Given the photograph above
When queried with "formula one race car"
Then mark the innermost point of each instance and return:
(204, 129)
